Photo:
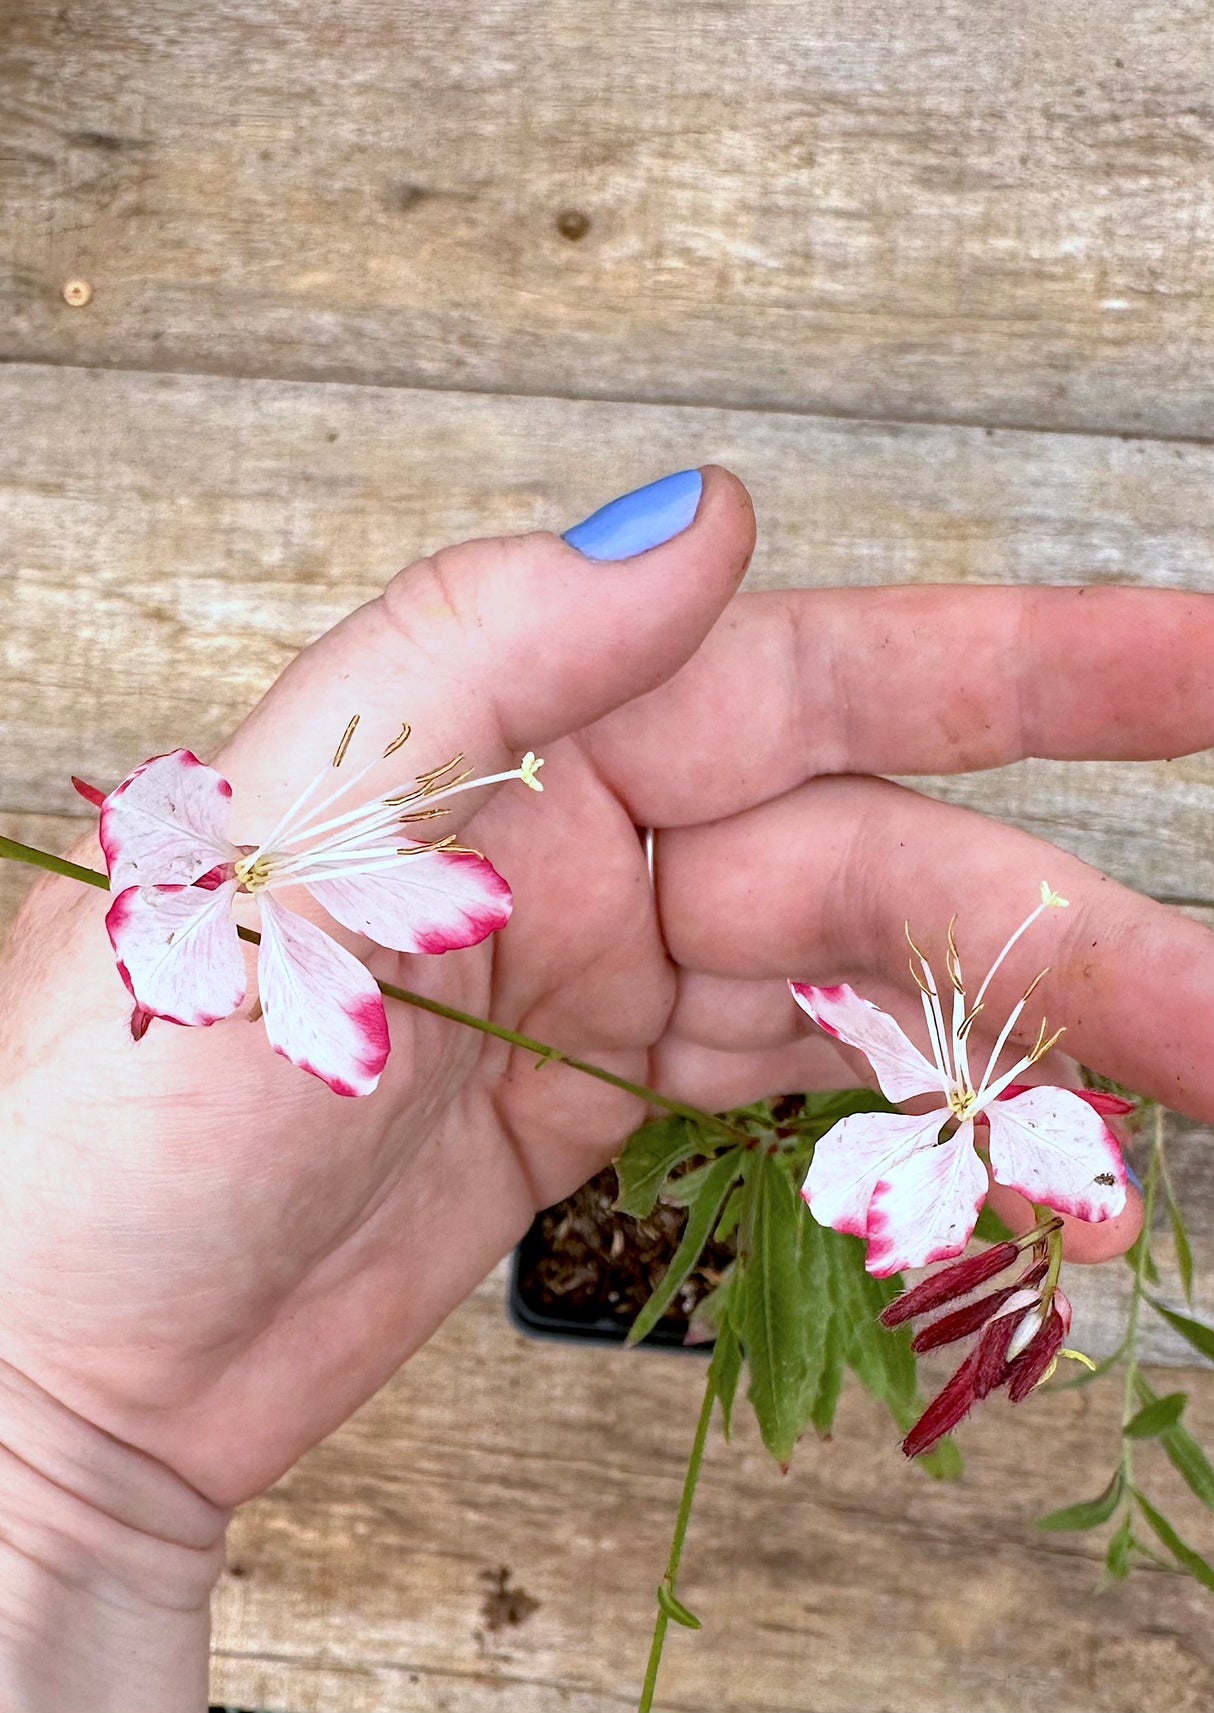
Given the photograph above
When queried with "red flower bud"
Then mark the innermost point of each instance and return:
(956, 1280)
(991, 1364)
(950, 1327)
(945, 1412)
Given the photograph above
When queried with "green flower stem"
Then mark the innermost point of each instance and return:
(661, 1622)
(52, 864)
(543, 1052)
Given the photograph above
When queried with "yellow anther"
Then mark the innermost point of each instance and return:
(398, 743)
(953, 960)
(918, 979)
(429, 779)
(1043, 1046)
(339, 754)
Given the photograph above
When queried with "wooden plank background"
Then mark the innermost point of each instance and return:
(938, 286)
(829, 205)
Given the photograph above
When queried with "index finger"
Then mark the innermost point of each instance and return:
(801, 682)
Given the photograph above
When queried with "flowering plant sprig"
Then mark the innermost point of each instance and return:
(912, 1185)
(803, 1301)
(177, 874)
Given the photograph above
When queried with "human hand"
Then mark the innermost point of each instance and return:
(251, 1257)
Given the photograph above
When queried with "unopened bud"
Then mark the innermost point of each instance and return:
(956, 1280)
(1034, 1364)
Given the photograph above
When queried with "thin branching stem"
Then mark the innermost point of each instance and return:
(544, 1053)
(670, 1580)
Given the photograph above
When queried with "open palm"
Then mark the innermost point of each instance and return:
(214, 1258)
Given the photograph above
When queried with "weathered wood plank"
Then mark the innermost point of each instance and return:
(363, 1579)
(170, 541)
(863, 208)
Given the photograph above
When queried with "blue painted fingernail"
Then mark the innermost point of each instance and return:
(1132, 1175)
(640, 520)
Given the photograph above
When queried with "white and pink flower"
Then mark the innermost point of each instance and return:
(912, 1185)
(176, 875)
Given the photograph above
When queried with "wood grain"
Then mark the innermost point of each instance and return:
(172, 540)
(860, 208)
(362, 1580)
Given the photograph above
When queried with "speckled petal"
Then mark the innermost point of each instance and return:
(166, 824)
(926, 1208)
(323, 1009)
(900, 1067)
(178, 952)
(434, 903)
(852, 1158)
(1051, 1145)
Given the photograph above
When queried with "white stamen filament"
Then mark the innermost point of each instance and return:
(292, 814)
(960, 1049)
(936, 1015)
(380, 812)
(305, 862)
(983, 1086)
(1049, 901)
(997, 1088)
(938, 1050)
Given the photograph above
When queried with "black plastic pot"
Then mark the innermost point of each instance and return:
(605, 1301)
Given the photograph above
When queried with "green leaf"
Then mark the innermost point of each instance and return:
(1117, 1557)
(685, 1189)
(701, 1218)
(944, 1462)
(1190, 1463)
(830, 1383)
(1183, 1452)
(882, 1360)
(710, 1311)
(650, 1155)
(826, 1107)
(1193, 1562)
(1200, 1336)
(1184, 1251)
(1089, 1513)
(990, 1228)
(784, 1313)
(1154, 1417)
(675, 1609)
(728, 1222)
(724, 1371)
(1150, 1271)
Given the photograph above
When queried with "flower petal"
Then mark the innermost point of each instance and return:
(323, 1010)
(1107, 1105)
(1050, 1145)
(925, 1209)
(434, 903)
(901, 1068)
(178, 952)
(852, 1158)
(166, 823)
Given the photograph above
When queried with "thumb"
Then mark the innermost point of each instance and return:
(502, 645)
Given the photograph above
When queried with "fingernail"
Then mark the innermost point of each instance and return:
(640, 520)
(1132, 1175)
